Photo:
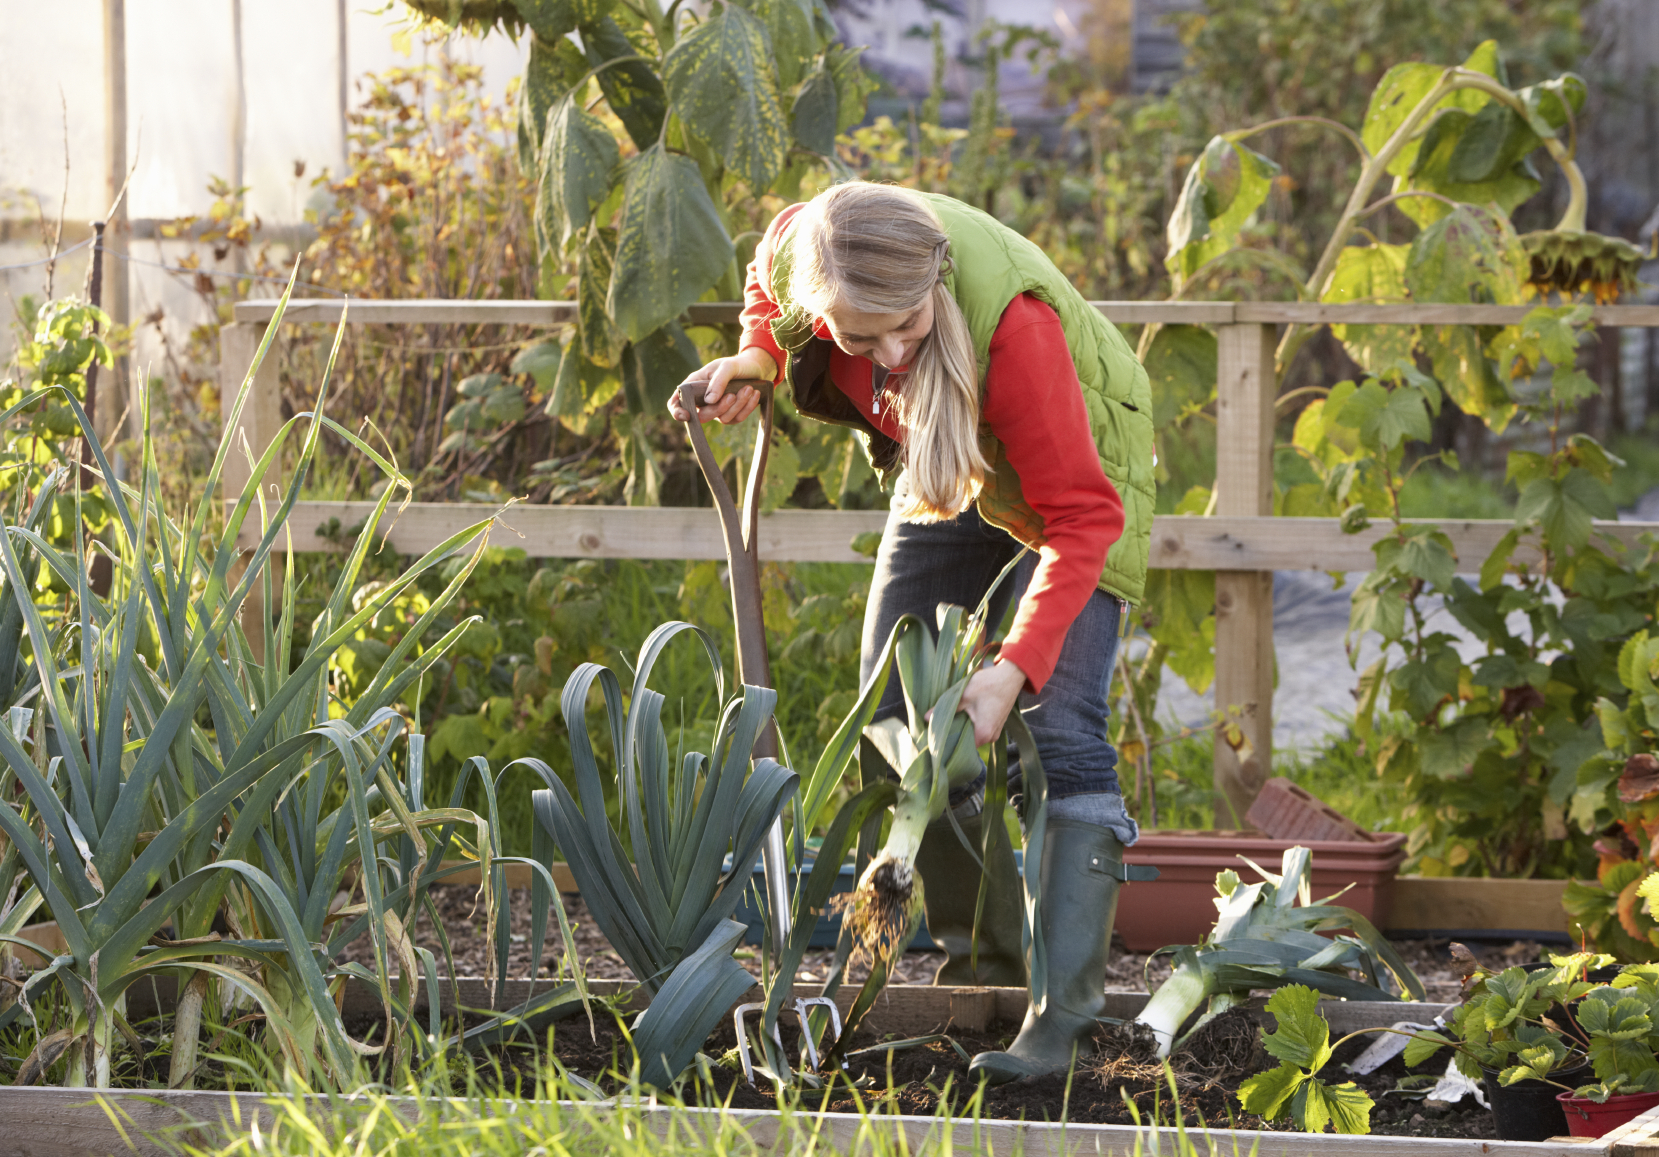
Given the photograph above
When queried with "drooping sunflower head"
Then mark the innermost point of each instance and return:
(1572, 263)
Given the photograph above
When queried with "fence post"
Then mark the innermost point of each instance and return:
(261, 419)
(1246, 389)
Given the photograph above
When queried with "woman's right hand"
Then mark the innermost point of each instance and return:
(714, 378)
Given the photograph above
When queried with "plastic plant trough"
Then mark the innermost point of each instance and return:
(1178, 907)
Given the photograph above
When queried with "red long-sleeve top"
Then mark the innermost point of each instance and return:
(1034, 404)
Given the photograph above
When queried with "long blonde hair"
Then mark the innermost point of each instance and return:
(880, 249)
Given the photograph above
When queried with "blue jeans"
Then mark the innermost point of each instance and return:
(921, 565)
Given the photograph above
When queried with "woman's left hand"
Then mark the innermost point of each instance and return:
(989, 697)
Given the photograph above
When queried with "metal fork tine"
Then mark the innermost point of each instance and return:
(802, 1007)
(743, 1038)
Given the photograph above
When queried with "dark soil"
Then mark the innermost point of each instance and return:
(1122, 1072)
(915, 1079)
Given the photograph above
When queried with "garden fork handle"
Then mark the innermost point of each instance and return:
(740, 530)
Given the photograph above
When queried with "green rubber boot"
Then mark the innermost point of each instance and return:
(950, 890)
(1081, 870)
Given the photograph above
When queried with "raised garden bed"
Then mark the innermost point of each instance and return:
(78, 1123)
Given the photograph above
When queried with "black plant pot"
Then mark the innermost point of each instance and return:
(1528, 1110)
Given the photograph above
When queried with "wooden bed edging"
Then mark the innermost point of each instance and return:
(39, 1122)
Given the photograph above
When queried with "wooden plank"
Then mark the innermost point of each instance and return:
(1428, 903)
(595, 531)
(1638, 1137)
(518, 875)
(261, 414)
(54, 1122)
(412, 311)
(260, 419)
(1168, 312)
(1425, 313)
(1246, 386)
(1179, 542)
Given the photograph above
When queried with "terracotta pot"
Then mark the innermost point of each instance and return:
(1179, 906)
(1587, 1118)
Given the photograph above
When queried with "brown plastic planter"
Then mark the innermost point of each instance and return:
(1178, 907)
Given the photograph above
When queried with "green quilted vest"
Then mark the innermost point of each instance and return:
(991, 265)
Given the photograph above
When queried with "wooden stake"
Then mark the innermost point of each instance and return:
(1244, 599)
(116, 232)
(260, 421)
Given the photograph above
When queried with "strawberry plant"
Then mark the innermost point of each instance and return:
(1302, 1045)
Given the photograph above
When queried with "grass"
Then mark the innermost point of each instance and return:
(1337, 772)
(563, 1116)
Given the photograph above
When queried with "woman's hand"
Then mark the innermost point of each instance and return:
(989, 697)
(733, 407)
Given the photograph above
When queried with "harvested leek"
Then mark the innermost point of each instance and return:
(934, 754)
(1264, 939)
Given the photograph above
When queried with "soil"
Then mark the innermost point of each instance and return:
(1126, 971)
(915, 1079)
(1122, 1073)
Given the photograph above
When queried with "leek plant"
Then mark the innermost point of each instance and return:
(159, 749)
(655, 884)
(1268, 935)
(933, 754)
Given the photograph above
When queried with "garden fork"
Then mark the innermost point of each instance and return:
(803, 1007)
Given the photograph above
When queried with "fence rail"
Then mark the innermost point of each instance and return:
(414, 311)
(1179, 542)
(1243, 543)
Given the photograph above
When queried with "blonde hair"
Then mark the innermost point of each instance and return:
(880, 249)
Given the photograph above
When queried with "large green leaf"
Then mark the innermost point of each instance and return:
(1565, 508)
(544, 81)
(1466, 256)
(1226, 184)
(1181, 606)
(671, 244)
(1448, 752)
(1403, 88)
(1476, 158)
(1301, 1036)
(651, 368)
(852, 84)
(577, 156)
(1267, 1093)
(1371, 274)
(1346, 1106)
(550, 19)
(600, 342)
(1468, 376)
(1385, 418)
(814, 115)
(1181, 367)
(789, 34)
(723, 88)
(632, 90)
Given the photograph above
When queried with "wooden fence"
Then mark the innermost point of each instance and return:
(1243, 543)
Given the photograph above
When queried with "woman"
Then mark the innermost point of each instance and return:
(1014, 415)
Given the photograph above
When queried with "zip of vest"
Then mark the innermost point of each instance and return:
(991, 265)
